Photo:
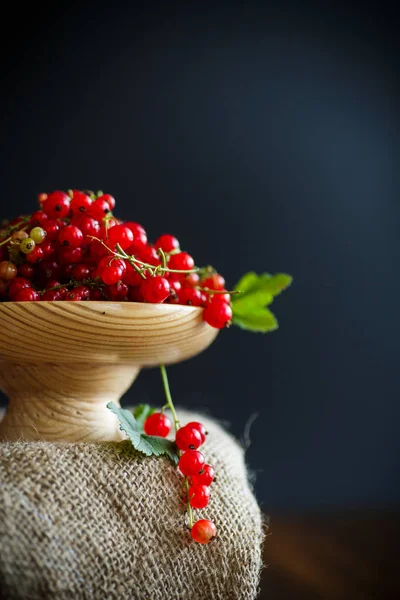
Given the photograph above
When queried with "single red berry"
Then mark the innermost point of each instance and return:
(26, 295)
(191, 463)
(213, 282)
(109, 199)
(96, 294)
(182, 262)
(155, 289)
(70, 236)
(17, 284)
(49, 249)
(131, 276)
(203, 531)
(36, 256)
(199, 496)
(113, 273)
(157, 424)
(190, 280)
(149, 255)
(39, 218)
(83, 291)
(120, 234)
(116, 291)
(69, 256)
(219, 298)
(206, 477)
(51, 283)
(88, 226)
(139, 237)
(42, 198)
(57, 205)
(98, 209)
(189, 296)
(80, 203)
(52, 229)
(200, 428)
(97, 251)
(80, 272)
(108, 224)
(217, 314)
(166, 242)
(26, 270)
(51, 296)
(188, 438)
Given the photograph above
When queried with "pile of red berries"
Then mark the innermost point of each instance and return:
(198, 475)
(73, 248)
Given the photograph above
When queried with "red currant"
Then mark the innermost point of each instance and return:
(26, 295)
(116, 291)
(80, 203)
(203, 531)
(182, 262)
(80, 272)
(188, 438)
(112, 273)
(36, 256)
(217, 314)
(88, 226)
(149, 255)
(131, 276)
(52, 229)
(70, 236)
(213, 282)
(26, 270)
(200, 428)
(191, 463)
(68, 256)
(157, 424)
(155, 289)
(206, 477)
(139, 237)
(51, 296)
(167, 242)
(39, 218)
(189, 296)
(199, 496)
(57, 205)
(98, 209)
(109, 199)
(83, 291)
(191, 280)
(17, 284)
(120, 234)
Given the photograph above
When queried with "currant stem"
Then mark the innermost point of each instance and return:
(189, 507)
(169, 397)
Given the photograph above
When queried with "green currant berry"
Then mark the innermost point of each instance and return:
(27, 245)
(37, 235)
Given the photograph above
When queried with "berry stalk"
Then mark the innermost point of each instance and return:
(171, 406)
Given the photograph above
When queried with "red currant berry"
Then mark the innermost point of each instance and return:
(191, 280)
(57, 205)
(83, 291)
(88, 226)
(26, 270)
(149, 255)
(112, 273)
(97, 251)
(70, 236)
(80, 203)
(182, 262)
(51, 296)
(167, 242)
(217, 314)
(131, 276)
(69, 256)
(17, 284)
(206, 477)
(80, 272)
(26, 295)
(203, 531)
(191, 463)
(120, 234)
(96, 294)
(189, 296)
(199, 496)
(188, 438)
(39, 218)
(36, 256)
(98, 209)
(52, 229)
(157, 424)
(155, 289)
(117, 291)
(213, 282)
(139, 237)
(109, 199)
(200, 428)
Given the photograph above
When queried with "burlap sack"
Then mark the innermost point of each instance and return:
(89, 521)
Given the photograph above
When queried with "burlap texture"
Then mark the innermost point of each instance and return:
(87, 521)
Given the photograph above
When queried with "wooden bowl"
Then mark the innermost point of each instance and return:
(61, 362)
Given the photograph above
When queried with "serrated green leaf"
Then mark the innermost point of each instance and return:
(147, 444)
(259, 320)
(141, 412)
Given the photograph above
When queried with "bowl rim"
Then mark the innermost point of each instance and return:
(157, 306)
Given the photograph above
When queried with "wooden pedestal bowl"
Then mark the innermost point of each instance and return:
(61, 362)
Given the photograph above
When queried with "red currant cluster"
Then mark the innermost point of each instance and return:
(198, 475)
(73, 248)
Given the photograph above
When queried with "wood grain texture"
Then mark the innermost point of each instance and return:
(61, 362)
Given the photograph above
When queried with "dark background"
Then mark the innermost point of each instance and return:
(265, 138)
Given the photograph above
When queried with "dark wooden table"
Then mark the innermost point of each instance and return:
(342, 556)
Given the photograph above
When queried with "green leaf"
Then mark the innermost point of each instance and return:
(259, 320)
(147, 444)
(258, 291)
(141, 412)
